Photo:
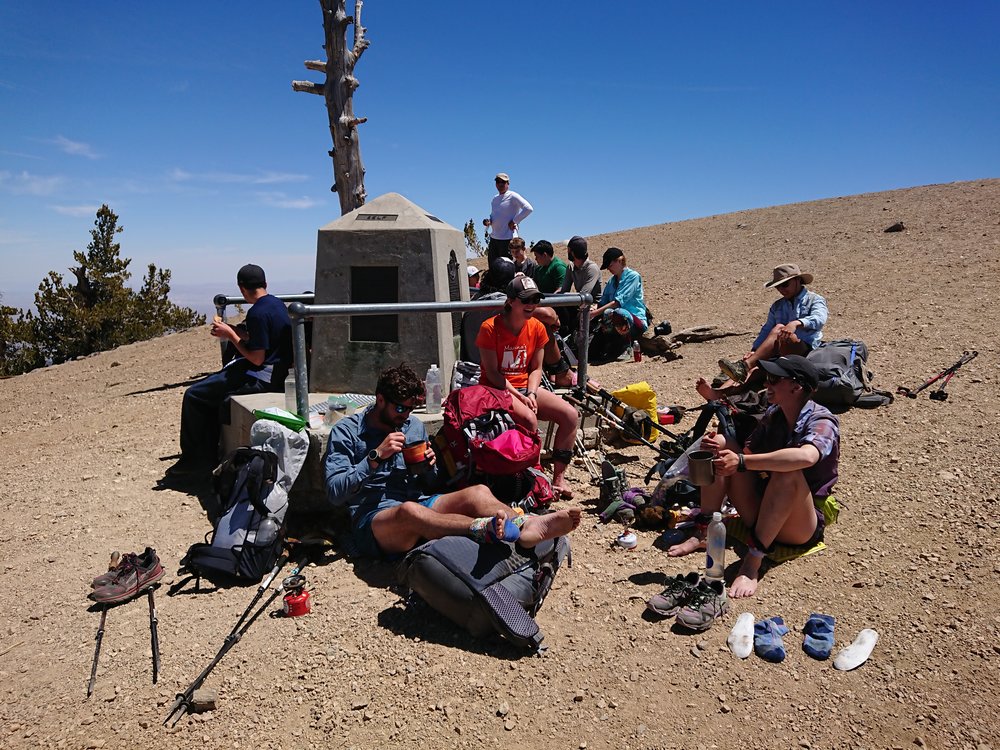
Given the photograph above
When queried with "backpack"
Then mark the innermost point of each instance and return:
(529, 489)
(251, 485)
(479, 436)
(486, 588)
(844, 377)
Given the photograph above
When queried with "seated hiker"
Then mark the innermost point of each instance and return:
(393, 508)
(620, 315)
(556, 363)
(264, 354)
(787, 465)
(794, 324)
(511, 352)
(584, 277)
(550, 272)
(518, 253)
(493, 286)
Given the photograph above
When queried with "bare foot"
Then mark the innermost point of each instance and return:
(745, 584)
(562, 492)
(706, 391)
(539, 528)
(692, 544)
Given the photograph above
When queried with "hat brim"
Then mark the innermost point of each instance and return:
(807, 278)
(775, 369)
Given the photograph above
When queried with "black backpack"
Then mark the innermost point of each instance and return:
(844, 377)
(486, 588)
(237, 547)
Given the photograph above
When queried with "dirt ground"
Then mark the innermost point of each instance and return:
(913, 556)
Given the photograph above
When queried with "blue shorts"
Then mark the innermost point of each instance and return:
(362, 535)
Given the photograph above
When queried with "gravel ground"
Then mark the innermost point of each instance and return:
(913, 556)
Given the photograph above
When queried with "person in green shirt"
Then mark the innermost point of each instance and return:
(551, 271)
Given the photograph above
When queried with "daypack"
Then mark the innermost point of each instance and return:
(844, 377)
(529, 489)
(252, 485)
(486, 588)
(480, 437)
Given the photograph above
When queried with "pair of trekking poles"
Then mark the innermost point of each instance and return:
(154, 637)
(939, 394)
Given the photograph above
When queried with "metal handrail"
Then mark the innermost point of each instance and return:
(299, 312)
(222, 301)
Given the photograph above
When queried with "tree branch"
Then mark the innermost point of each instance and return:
(318, 65)
(308, 87)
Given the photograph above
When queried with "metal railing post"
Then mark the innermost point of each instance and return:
(583, 345)
(296, 313)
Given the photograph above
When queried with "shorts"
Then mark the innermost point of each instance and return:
(361, 534)
(817, 537)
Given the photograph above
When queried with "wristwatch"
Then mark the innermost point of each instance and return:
(531, 393)
(373, 456)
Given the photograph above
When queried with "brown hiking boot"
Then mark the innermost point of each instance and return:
(675, 595)
(134, 573)
(736, 369)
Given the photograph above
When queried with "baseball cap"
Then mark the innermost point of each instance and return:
(472, 271)
(502, 176)
(524, 288)
(251, 277)
(794, 366)
(611, 254)
(577, 246)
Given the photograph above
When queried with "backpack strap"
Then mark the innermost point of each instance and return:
(511, 617)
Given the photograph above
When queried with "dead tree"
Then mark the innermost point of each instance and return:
(338, 90)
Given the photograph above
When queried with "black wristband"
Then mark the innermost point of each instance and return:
(742, 465)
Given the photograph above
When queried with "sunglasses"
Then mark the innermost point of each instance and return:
(784, 284)
(531, 300)
(400, 408)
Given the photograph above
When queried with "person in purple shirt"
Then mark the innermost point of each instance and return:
(788, 464)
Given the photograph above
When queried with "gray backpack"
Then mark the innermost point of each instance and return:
(486, 588)
(844, 377)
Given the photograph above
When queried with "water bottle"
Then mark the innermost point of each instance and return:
(267, 531)
(433, 387)
(715, 557)
(290, 404)
(636, 352)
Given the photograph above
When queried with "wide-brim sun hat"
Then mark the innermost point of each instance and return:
(786, 272)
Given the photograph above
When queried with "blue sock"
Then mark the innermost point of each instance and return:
(767, 638)
(818, 641)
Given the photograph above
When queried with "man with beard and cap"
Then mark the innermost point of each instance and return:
(785, 469)
(393, 509)
(584, 277)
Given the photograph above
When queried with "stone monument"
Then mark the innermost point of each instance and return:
(389, 250)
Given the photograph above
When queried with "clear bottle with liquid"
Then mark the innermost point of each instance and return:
(290, 404)
(433, 387)
(267, 531)
(715, 555)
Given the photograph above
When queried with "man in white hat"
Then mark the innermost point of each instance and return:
(507, 211)
(794, 323)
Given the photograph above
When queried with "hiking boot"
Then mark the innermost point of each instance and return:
(188, 467)
(708, 603)
(719, 380)
(736, 369)
(677, 593)
(134, 573)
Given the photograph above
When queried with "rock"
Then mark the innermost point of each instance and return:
(503, 709)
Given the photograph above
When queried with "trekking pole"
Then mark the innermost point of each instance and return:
(154, 638)
(947, 373)
(183, 700)
(112, 564)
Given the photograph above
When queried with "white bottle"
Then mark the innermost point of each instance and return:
(715, 556)
(290, 404)
(433, 388)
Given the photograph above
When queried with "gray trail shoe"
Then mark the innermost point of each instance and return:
(707, 604)
(736, 369)
(675, 595)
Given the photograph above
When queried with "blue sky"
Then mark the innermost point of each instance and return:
(607, 116)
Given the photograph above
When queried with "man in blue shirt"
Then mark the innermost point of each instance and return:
(263, 356)
(794, 323)
(392, 507)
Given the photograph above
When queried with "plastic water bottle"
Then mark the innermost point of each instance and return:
(715, 557)
(636, 352)
(267, 531)
(290, 404)
(433, 388)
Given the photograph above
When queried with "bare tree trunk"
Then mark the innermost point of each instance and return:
(338, 90)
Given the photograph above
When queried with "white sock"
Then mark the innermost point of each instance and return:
(741, 638)
(858, 652)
